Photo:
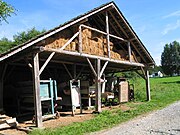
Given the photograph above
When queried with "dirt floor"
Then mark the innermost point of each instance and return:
(65, 119)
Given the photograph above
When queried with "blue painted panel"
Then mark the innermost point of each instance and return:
(44, 90)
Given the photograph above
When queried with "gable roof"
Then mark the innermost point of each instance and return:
(125, 30)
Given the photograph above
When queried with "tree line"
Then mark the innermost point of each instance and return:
(18, 39)
(170, 59)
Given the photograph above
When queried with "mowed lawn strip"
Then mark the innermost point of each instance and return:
(164, 91)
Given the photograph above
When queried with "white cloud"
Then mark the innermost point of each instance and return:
(157, 59)
(171, 27)
(174, 14)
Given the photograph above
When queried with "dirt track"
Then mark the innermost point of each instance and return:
(161, 122)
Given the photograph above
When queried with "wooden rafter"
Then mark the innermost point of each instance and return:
(126, 35)
(117, 33)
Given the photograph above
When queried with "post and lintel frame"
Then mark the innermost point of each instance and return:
(97, 71)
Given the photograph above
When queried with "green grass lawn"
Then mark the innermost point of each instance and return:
(164, 91)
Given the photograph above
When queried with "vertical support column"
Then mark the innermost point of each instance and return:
(107, 31)
(80, 39)
(148, 86)
(129, 51)
(98, 86)
(36, 90)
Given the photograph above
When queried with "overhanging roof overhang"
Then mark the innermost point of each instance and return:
(124, 30)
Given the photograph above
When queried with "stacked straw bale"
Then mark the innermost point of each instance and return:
(93, 43)
(60, 39)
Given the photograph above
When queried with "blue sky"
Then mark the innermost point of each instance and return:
(155, 22)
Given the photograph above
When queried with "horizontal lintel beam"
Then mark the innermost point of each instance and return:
(95, 57)
(102, 32)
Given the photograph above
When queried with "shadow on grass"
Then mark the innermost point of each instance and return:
(171, 82)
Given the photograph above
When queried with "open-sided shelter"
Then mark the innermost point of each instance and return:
(100, 41)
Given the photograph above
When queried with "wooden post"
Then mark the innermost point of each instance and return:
(107, 31)
(98, 87)
(36, 90)
(148, 86)
(80, 39)
(129, 51)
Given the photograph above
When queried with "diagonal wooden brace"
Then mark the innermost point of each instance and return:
(92, 68)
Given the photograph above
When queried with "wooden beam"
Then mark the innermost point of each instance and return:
(148, 93)
(46, 62)
(103, 68)
(126, 34)
(94, 29)
(140, 75)
(95, 57)
(36, 91)
(69, 41)
(92, 68)
(129, 52)
(67, 71)
(144, 72)
(107, 36)
(132, 33)
(102, 32)
(97, 22)
(114, 36)
(80, 39)
(98, 87)
(53, 53)
(65, 62)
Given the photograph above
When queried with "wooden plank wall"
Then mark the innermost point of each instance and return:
(1, 87)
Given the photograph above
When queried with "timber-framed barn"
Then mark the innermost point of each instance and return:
(98, 42)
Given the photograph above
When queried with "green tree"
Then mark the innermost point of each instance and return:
(5, 45)
(5, 11)
(170, 59)
(25, 36)
(18, 39)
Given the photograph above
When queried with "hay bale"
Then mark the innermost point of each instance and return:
(73, 46)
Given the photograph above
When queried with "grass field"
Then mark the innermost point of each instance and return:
(164, 91)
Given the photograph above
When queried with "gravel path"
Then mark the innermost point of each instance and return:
(161, 122)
